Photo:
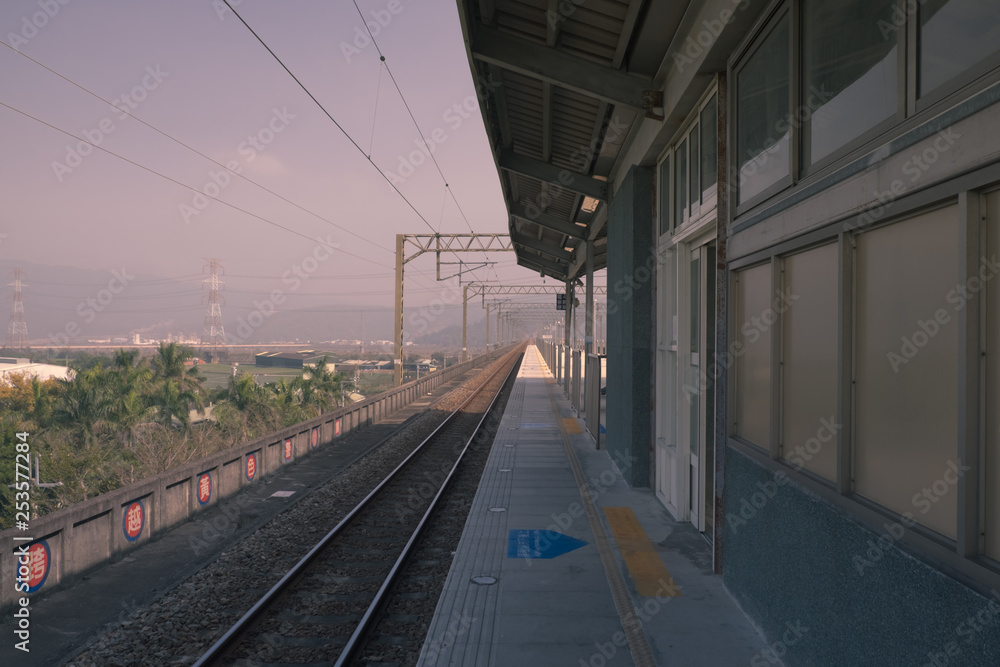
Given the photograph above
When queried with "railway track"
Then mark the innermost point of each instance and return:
(323, 608)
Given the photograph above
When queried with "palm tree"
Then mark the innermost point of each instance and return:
(86, 402)
(174, 402)
(320, 387)
(177, 389)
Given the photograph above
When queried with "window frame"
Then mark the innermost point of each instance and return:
(963, 558)
(706, 205)
(974, 78)
(758, 35)
(911, 110)
(902, 60)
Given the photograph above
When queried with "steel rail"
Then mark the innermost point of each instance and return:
(230, 638)
(354, 643)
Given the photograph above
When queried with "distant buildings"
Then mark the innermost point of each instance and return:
(13, 366)
(287, 359)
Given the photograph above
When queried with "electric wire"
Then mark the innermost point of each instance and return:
(417, 125)
(196, 151)
(183, 185)
(328, 114)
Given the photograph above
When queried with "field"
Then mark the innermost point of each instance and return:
(216, 376)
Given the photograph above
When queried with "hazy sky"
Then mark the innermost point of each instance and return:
(192, 70)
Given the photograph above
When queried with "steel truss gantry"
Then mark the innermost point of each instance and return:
(411, 246)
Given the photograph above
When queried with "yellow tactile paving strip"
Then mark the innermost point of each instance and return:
(650, 575)
(571, 425)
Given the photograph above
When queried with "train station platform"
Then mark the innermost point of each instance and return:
(561, 563)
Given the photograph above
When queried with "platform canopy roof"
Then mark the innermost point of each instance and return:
(575, 92)
(561, 84)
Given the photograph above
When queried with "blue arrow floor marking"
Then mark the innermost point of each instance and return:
(540, 544)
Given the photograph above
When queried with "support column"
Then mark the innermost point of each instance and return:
(465, 321)
(499, 311)
(567, 334)
(630, 330)
(588, 342)
(398, 322)
(487, 328)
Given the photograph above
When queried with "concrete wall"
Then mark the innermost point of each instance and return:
(631, 308)
(828, 591)
(94, 532)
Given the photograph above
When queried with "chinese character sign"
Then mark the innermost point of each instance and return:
(251, 467)
(204, 488)
(133, 521)
(38, 565)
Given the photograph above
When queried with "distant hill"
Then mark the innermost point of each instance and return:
(71, 305)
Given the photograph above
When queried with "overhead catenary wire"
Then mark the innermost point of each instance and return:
(194, 150)
(329, 115)
(419, 131)
(183, 185)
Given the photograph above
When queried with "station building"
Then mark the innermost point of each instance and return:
(798, 206)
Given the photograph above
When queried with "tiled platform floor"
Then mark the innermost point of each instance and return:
(560, 610)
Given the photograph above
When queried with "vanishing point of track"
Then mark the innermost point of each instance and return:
(322, 609)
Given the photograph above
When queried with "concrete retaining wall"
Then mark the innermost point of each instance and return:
(66, 544)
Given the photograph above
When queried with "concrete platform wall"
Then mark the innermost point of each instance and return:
(94, 532)
(825, 590)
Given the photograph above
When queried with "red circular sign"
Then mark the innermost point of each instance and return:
(133, 519)
(336, 427)
(288, 449)
(35, 566)
(204, 488)
(251, 467)
(315, 437)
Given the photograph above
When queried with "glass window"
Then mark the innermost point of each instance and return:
(664, 196)
(680, 184)
(754, 317)
(694, 194)
(849, 70)
(709, 150)
(992, 348)
(809, 426)
(906, 368)
(955, 35)
(763, 125)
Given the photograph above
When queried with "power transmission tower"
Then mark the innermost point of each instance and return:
(17, 330)
(214, 334)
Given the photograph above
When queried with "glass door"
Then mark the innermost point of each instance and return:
(699, 387)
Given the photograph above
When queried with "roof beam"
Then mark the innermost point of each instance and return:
(538, 246)
(538, 264)
(549, 64)
(544, 171)
(548, 221)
